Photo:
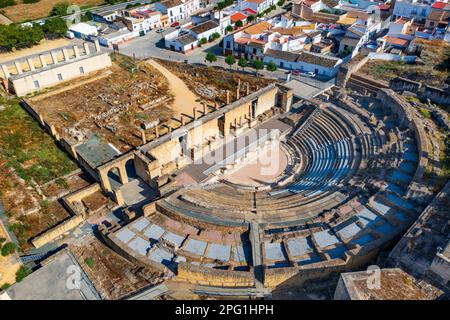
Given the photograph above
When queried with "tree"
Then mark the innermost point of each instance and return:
(239, 24)
(56, 26)
(251, 18)
(8, 248)
(258, 65)
(203, 41)
(215, 36)
(230, 60)
(280, 3)
(211, 57)
(229, 28)
(243, 63)
(22, 273)
(271, 66)
(60, 9)
(17, 37)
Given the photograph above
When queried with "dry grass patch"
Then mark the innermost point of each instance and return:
(23, 12)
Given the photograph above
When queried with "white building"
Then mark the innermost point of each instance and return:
(411, 9)
(255, 5)
(304, 61)
(178, 9)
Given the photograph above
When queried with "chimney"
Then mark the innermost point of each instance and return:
(204, 108)
(76, 51)
(228, 96)
(248, 88)
(86, 48)
(97, 45)
(65, 54)
(6, 71)
(156, 131)
(43, 61)
(194, 110)
(54, 57)
(18, 67)
(183, 122)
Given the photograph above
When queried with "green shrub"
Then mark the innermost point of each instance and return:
(60, 9)
(5, 286)
(90, 262)
(22, 273)
(8, 248)
(7, 3)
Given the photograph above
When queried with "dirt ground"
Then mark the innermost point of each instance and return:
(9, 264)
(433, 67)
(112, 275)
(211, 83)
(45, 45)
(22, 12)
(184, 99)
(113, 107)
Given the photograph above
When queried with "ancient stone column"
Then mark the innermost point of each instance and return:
(76, 51)
(97, 45)
(144, 138)
(5, 70)
(30, 64)
(18, 67)
(43, 61)
(54, 57)
(65, 54)
(86, 48)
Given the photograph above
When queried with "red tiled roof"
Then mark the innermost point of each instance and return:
(439, 5)
(309, 3)
(242, 40)
(238, 16)
(250, 11)
(384, 6)
(255, 1)
(397, 41)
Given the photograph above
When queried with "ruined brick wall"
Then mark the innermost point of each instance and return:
(214, 277)
(57, 231)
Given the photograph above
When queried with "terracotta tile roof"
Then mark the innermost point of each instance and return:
(303, 56)
(238, 16)
(396, 41)
(255, 1)
(242, 40)
(171, 3)
(205, 26)
(257, 28)
(288, 31)
(250, 11)
(439, 5)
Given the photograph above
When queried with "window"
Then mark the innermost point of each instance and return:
(228, 45)
(81, 70)
(36, 84)
(59, 75)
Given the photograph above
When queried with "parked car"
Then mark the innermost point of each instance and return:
(160, 30)
(296, 72)
(175, 24)
(308, 74)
